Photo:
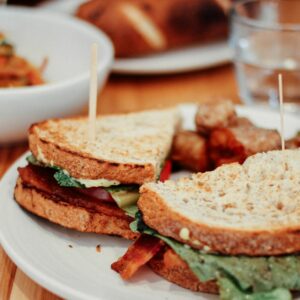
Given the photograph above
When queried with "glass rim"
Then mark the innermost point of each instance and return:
(235, 15)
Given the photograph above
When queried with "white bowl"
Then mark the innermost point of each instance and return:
(66, 42)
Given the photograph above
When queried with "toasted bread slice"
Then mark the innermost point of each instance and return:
(128, 148)
(250, 209)
(170, 266)
(70, 216)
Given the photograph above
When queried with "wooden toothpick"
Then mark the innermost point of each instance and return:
(93, 92)
(280, 90)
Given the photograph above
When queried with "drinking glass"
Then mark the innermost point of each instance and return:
(265, 35)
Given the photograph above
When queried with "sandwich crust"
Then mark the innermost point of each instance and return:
(170, 266)
(82, 167)
(70, 216)
(130, 148)
(158, 216)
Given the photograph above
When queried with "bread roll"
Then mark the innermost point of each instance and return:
(139, 27)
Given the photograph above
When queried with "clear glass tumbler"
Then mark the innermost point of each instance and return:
(265, 35)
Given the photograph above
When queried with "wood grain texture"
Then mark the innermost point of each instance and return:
(121, 94)
(24, 288)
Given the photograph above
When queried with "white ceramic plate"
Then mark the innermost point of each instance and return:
(182, 60)
(42, 251)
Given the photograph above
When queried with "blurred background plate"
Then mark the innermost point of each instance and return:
(175, 61)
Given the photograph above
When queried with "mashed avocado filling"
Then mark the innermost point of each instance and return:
(239, 277)
(125, 196)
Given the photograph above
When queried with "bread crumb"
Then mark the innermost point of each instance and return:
(98, 248)
(70, 246)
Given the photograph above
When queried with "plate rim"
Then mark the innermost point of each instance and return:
(119, 65)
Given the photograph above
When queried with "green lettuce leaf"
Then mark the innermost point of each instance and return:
(229, 291)
(258, 277)
(62, 178)
(32, 160)
(65, 180)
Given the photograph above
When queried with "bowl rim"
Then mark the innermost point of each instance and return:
(105, 45)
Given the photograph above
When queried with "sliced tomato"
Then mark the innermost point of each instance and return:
(97, 193)
(166, 171)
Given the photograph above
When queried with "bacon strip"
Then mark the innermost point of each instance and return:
(42, 179)
(137, 255)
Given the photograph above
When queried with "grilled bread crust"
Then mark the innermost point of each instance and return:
(79, 166)
(129, 148)
(70, 216)
(170, 266)
(249, 209)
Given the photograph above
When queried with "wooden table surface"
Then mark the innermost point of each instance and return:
(121, 94)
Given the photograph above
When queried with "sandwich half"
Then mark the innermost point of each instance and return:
(233, 231)
(93, 186)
